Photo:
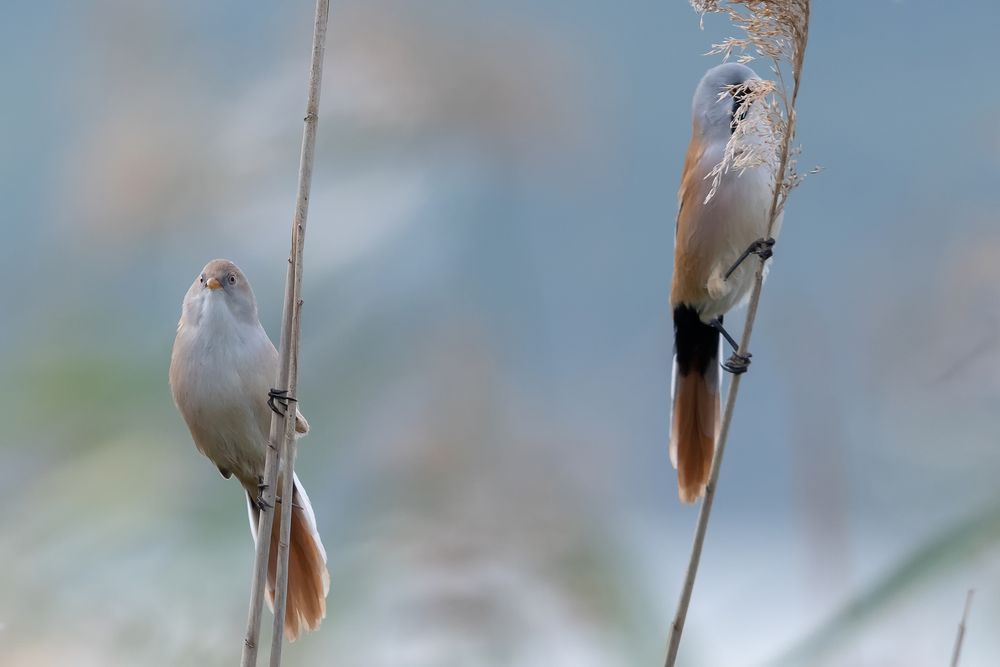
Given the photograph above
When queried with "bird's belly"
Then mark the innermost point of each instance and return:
(219, 404)
(735, 218)
(231, 438)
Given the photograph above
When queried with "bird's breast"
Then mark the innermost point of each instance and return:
(220, 375)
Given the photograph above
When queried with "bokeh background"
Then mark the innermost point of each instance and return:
(487, 340)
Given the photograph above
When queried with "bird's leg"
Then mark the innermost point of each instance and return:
(717, 325)
(737, 363)
(282, 397)
(761, 247)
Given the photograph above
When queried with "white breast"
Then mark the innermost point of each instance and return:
(222, 387)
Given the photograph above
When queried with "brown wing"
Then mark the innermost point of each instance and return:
(688, 284)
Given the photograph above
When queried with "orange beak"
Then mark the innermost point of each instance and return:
(213, 283)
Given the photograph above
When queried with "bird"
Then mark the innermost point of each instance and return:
(221, 369)
(719, 224)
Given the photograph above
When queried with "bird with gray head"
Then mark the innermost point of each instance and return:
(714, 234)
(222, 367)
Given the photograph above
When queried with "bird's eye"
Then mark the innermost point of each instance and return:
(232, 278)
(201, 278)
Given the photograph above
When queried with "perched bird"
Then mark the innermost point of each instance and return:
(221, 369)
(711, 241)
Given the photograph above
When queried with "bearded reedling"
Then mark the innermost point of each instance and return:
(720, 223)
(221, 370)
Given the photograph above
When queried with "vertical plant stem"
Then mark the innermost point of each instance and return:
(287, 498)
(957, 653)
(282, 444)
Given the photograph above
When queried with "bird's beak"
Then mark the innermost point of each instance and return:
(213, 283)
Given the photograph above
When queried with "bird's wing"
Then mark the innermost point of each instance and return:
(687, 284)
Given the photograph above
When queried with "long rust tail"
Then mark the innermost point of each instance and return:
(308, 579)
(695, 419)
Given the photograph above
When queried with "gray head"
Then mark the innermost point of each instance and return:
(220, 288)
(714, 118)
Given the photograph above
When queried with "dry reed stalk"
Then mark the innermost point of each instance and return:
(961, 629)
(284, 427)
(776, 30)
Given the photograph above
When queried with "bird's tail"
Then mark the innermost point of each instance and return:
(308, 579)
(695, 419)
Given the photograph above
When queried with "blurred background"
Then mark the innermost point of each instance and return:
(487, 340)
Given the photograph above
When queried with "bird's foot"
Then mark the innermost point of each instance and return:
(738, 363)
(276, 397)
(763, 248)
(259, 501)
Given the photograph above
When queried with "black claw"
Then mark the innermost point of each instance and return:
(763, 248)
(283, 399)
(738, 363)
(259, 501)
